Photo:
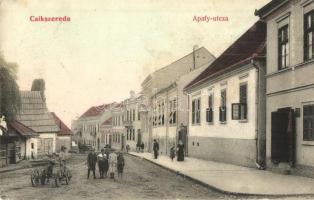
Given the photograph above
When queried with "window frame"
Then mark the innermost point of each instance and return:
(311, 117)
(209, 110)
(306, 31)
(223, 106)
(196, 111)
(283, 42)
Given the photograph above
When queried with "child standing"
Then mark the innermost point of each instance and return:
(172, 153)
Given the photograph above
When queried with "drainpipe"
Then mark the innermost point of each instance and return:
(166, 118)
(258, 162)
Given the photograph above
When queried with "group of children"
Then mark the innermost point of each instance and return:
(108, 163)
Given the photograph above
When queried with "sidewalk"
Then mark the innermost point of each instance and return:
(235, 179)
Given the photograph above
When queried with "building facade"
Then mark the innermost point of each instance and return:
(290, 84)
(88, 125)
(64, 136)
(163, 78)
(132, 121)
(227, 104)
(170, 112)
(34, 114)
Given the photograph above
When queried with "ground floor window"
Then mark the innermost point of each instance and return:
(308, 122)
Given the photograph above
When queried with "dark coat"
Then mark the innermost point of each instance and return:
(156, 146)
(91, 160)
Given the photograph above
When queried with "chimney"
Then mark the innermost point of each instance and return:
(39, 85)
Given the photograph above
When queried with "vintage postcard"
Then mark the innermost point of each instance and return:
(147, 99)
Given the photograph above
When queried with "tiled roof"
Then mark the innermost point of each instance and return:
(34, 113)
(21, 129)
(64, 129)
(250, 45)
(96, 110)
(107, 122)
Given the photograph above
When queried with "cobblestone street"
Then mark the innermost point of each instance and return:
(142, 180)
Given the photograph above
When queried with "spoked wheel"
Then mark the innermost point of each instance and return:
(35, 178)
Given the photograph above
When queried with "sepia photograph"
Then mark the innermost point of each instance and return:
(156, 99)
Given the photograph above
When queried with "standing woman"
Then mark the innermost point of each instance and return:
(180, 151)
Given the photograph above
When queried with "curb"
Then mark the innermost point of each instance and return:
(219, 189)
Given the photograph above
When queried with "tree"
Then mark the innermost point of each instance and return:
(9, 90)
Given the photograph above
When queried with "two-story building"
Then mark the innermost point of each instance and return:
(170, 112)
(132, 120)
(290, 84)
(227, 104)
(89, 123)
(163, 78)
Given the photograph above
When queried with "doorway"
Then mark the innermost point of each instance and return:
(283, 135)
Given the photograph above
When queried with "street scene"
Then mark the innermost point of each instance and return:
(142, 180)
(157, 100)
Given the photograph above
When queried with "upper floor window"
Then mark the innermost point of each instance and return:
(308, 122)
(223, 106)
(173, 111)
(283, 47)
(196, 108)
(209, 110)
(308, 35)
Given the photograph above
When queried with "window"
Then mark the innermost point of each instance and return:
(138, 116)
(283, 47)
(239, 110)
(133, 134)
(32, 145)
(134, 115)
(308, 35)
(223, 107)
(196, 107)
(173, 111)
(209, 110)
(308, 122)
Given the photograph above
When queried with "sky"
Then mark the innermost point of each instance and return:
(109, 46)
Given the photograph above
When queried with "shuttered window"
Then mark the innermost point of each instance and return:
(209, 110)
(223, 107)
(196, 111)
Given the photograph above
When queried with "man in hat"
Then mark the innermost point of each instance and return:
(91, 162)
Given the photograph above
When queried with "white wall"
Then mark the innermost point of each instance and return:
(232, 128)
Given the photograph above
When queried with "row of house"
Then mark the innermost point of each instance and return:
(34, 132)
(151, 113)
(252, 106)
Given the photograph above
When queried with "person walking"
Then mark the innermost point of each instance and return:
(101, 163)
(127, 148)
(155, 148)
(180, 151)
(91, 162)
(120, 165)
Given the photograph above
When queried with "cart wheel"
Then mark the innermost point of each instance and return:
(57, 182)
